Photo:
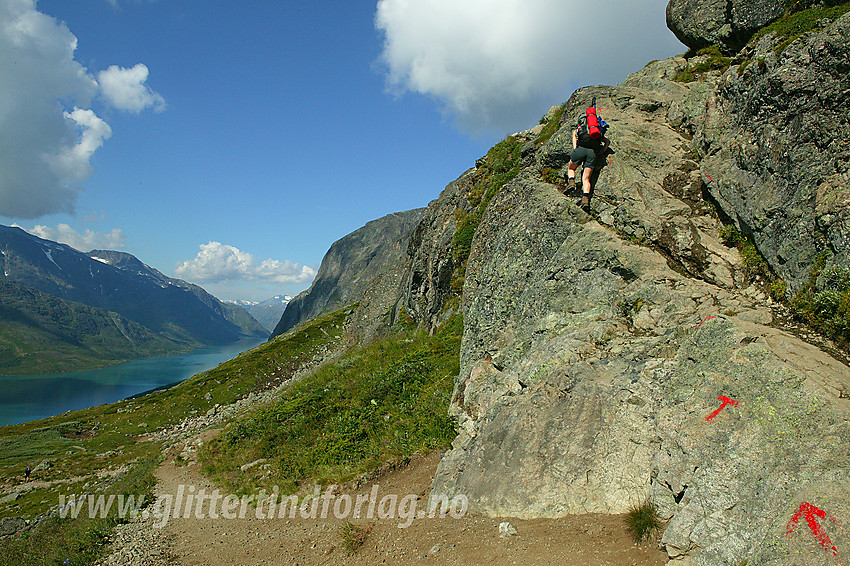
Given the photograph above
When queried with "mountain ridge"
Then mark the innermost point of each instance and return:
(178, 315)
(352, 265)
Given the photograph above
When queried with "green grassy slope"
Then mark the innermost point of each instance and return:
(376, 405)
(113, 437)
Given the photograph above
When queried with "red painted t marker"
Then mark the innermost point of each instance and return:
(726, 401)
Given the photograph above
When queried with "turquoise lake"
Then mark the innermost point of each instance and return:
(31, 397)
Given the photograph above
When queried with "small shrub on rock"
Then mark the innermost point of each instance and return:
(642, 521)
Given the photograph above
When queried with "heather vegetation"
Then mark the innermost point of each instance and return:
(376, 405)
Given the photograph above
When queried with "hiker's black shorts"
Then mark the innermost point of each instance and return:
(584, 155)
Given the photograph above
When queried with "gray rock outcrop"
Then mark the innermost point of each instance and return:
(596, 348)
(777, 152)
(728, 23)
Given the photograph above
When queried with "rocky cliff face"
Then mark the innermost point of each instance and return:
(628, 355)
(598, 349)
(777, 152)
(360, 267)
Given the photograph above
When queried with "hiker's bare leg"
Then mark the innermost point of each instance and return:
(571, 171)
(585, 189)
(585, 180)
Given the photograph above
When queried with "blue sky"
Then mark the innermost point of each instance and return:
(230, 143)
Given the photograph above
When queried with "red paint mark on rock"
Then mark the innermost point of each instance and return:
(725, 401)
(709, 177)
(706, 319)
(811, 513)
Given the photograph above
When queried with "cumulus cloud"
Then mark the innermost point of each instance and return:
(217, 262)
(49, 131)
(72, 162)
(85, 241)
(125, 89)
(500, 64)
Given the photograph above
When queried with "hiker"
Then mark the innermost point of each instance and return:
(27, 473)
(588, 150)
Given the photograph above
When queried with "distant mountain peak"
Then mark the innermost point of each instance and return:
(267, 312)
(118, 282)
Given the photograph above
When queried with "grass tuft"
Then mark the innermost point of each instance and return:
(755, 266)
(798, 23)
(353, 536)
(716, 62)
(642, 521)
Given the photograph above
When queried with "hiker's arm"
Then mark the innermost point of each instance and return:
(575, 139)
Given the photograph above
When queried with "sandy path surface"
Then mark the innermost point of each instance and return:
(578, 540)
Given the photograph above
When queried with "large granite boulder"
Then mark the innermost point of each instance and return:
(728, 23)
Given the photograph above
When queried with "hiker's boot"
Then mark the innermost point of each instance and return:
(585, 202)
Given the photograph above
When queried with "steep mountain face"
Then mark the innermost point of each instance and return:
(428, 280)
(782, 125)
(182, 314)
(367, 259)
(629, 354)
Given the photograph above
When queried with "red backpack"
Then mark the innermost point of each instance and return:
(592, 128)
(593, 122)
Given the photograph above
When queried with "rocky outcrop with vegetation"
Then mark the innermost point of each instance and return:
(730, 23)
(781, 127)
(643, 352)
(597, 349)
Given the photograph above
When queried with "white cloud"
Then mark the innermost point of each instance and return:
(218, 262)
(85, 241)
(48, 132)
(125, 89)
(500, 64)
(72, 162)
(38, 69)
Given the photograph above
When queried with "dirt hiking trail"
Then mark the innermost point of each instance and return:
(584, 540)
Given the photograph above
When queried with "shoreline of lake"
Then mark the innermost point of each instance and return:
(25, 398)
